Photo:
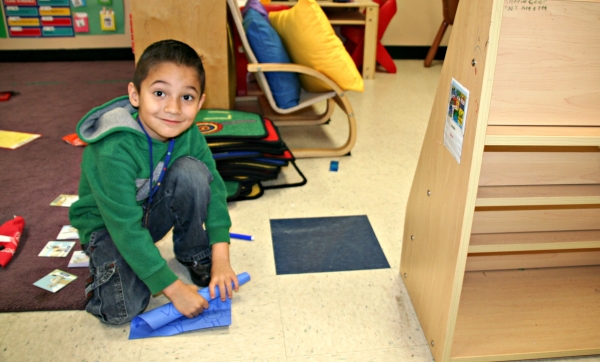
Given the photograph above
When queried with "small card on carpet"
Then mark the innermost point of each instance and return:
(57, 249)
(79, 259)
(67, 233)
(64, 200)
(55, 281)
(13, 140)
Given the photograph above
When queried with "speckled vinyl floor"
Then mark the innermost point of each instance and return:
(362, 315)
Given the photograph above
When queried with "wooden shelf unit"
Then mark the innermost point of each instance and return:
(545, 320)
(501, 252)
(339, 16)
(532, 195)
(541, 136)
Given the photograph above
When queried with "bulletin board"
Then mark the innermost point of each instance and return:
(61, 18)
(2, 27)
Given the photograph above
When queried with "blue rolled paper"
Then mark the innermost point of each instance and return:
(167, 321)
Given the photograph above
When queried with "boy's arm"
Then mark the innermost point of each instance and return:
(218, 221)
(112, 181)
(222, 275)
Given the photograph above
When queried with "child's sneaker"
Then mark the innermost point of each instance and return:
(200, 274)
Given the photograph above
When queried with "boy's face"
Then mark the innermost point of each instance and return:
(168, 100)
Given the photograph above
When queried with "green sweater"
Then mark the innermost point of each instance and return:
(115, 163)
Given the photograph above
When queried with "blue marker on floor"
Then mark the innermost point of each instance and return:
(241, 236)
(333, 166)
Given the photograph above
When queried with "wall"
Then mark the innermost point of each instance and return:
(77, 42)
(415, 24)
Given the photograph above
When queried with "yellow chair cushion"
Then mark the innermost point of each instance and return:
(310, 41)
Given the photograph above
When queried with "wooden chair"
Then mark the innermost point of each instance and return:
(304, 113)
(450, 7)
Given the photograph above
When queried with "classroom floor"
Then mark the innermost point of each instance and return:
(360, 315)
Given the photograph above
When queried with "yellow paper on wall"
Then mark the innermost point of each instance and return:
(55, 11)
(12, 140)
(107, 20)
(18, 21)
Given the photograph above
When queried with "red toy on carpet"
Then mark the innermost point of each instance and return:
(10, 233)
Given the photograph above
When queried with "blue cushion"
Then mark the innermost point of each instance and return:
(268, 48)
(256, 5)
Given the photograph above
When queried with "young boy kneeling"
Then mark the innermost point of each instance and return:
(148, 169)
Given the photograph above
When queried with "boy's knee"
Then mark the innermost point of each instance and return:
(115, 307)
(191, 172)
(116, 294)
(115, 321)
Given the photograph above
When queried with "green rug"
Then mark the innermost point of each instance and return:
(230, 125)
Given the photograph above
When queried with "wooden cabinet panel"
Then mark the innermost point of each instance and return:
(200, 24)
(548, 65)
(539, 168)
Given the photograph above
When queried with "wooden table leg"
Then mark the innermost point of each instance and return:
(371, 26)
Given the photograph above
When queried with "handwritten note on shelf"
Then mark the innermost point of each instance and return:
(526, 5)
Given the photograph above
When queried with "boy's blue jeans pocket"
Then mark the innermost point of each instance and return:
(116, 295)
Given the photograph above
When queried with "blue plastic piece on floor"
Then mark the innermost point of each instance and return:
(325, 244)
(167, 321)
(333, 166)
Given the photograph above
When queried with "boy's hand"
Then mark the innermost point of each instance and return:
(186, 299)
(222, 275)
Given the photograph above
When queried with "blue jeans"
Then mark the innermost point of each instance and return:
(116, 294)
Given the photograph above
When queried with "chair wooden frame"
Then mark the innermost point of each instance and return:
(303, 114)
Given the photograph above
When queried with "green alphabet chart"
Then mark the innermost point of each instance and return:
(61, 18)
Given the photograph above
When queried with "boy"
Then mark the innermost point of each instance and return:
(148, 169)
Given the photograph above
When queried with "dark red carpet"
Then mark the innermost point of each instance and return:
(53, 98)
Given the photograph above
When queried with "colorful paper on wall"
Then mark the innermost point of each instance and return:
(82, 24)
(54, 11)
(19, 31)
(53, 2)
(3, 33)
(19, 21)
(61, 18)
(20, 2)
(107, 20)
(56, 21)
(21, 11)
(38, 18)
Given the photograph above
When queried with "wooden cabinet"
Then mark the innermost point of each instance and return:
(501, 253)
(200, 24)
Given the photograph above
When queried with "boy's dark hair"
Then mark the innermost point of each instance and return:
(168, 51)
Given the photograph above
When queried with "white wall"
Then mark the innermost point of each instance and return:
(415, 24)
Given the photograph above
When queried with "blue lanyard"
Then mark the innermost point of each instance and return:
(154, 188)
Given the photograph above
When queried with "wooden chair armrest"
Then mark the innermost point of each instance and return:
(296, 68)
